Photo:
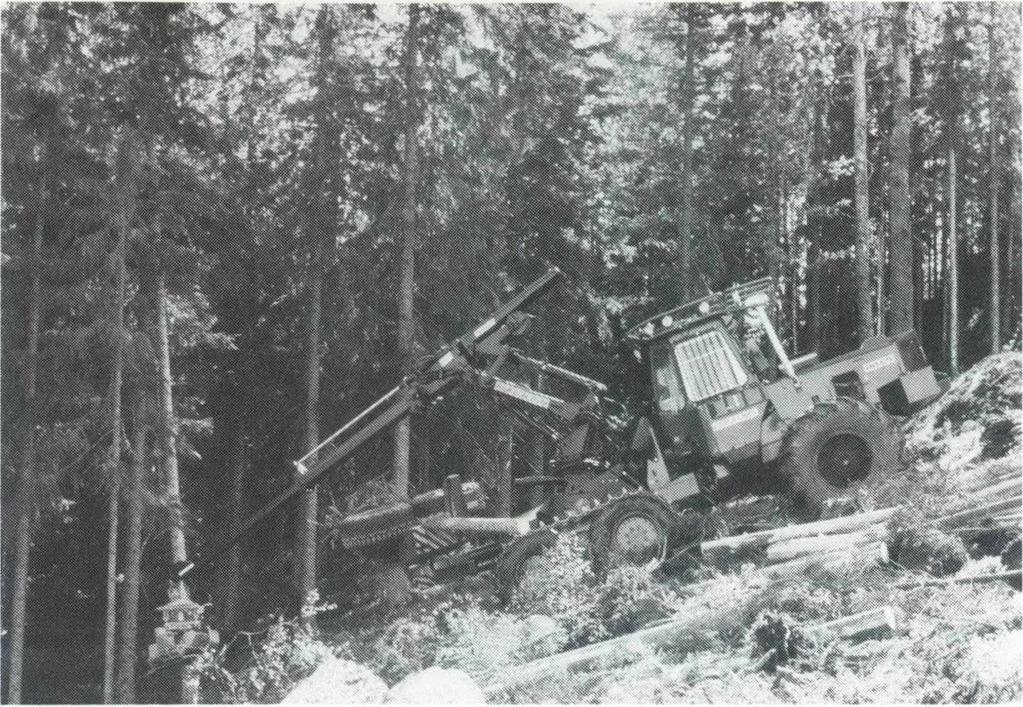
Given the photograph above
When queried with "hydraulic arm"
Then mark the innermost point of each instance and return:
(475, 356)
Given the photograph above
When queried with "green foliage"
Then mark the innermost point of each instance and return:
(405, 646)
(287, 653)
(561, 585)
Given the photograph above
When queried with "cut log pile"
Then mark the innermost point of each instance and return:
(778, 545)
(786, 553)
(996, 504)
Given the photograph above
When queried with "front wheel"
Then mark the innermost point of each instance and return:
(837, 449)
(633, 530)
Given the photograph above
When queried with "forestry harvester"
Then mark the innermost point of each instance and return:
(727, 411)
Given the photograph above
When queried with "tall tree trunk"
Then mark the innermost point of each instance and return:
(994, 184)
(110, 624)
(1012, 247)
(323, 231)
(774, 207)
(863, 298)
(685, 226)
(231, 587)
(133, 492)
(953, 267)
(169, 427)
(27, 482)
(505, 434)
(309, 499)
(406, 280)
(903, 272)
(232, 567)
(124, 196)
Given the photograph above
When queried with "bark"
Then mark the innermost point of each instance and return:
(406, 263)
(882, 620)
(232, 567)
(814, 222)
(505, 435)
(478, 527)
(811, 566)
(843, 524)
(687, 631)
(133, 492)
(903, 265)
(1012, 576)
(309, 500)
(953, 267)
(168, 435)
(863, 298)
(236, 494)
(27, 482)
(979, 512)
(325, 222)
(994, 185)
(685, 226)
(124, 196)
(776, 174)
(110, 624)
(784, 550)
(169, 427)
(537, 464)
(1015, 256)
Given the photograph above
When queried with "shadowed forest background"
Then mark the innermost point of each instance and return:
(227, 229)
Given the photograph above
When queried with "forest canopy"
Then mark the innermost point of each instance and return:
(229, 228)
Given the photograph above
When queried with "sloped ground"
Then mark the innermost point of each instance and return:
(950, 642)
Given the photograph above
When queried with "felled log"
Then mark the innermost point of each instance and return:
(875, 622)
(722, 547)
(693, 630)
(870, 553)
(1007, 487)
(686, 632)
(477, 526)
(1012, 576)
(978, 513)
(784, 550)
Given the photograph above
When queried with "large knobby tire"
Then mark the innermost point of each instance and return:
(837, 449)
(633, 530)
(516, 558)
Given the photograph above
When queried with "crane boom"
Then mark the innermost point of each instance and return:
(442, 371)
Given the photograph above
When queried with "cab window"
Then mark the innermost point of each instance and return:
(708, 365)
(667, 386)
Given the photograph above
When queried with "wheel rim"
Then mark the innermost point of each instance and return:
(638, 539)
(844, 460)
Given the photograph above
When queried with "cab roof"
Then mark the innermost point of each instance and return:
(690, 314)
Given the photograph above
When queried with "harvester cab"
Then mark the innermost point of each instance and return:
(726, 401)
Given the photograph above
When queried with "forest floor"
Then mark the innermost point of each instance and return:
(745, 635)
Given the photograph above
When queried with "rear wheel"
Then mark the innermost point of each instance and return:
(837, 449)
(633, 530)
(518, 558)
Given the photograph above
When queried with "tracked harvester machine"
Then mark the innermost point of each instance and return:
(727, 411)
